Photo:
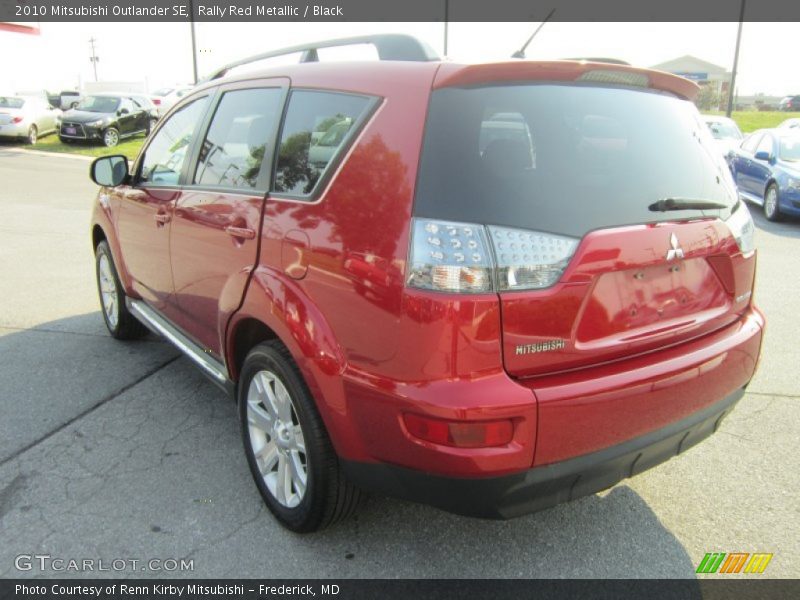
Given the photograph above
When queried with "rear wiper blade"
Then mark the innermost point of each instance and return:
(666, 204)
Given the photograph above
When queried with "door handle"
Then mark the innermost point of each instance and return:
(241, 232)
(161, 218)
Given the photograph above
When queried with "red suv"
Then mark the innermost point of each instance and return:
(490, 288)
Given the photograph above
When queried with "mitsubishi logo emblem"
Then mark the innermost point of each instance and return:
(675, 251)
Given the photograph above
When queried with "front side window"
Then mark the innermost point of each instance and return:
(234, 148)
(316, 127)
(765, 145)
(164, 158)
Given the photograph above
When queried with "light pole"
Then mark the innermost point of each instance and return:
(194, 42)
(93, 58)
(735, 63)
(446, 23)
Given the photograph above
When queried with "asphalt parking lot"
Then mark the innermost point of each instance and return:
(114, 450)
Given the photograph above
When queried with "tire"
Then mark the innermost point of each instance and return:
(110, 137)
(121, 324)
(281, 426)
(33, 135)
(771, 209)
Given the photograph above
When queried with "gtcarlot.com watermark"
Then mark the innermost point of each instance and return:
(55, 564)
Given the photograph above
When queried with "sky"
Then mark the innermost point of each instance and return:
(159, 54)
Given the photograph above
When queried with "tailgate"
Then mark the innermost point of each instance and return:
(627, 291)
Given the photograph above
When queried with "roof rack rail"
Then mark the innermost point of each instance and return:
(390, 46)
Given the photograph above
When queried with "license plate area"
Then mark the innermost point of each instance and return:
(638, 303)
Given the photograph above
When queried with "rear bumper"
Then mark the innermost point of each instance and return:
(14, 130)
(542, 487)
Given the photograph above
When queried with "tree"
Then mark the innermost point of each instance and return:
(707, 98)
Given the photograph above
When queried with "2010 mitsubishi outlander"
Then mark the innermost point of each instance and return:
(490, 288)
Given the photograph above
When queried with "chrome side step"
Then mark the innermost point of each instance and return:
(158, 324)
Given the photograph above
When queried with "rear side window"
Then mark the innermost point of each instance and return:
(233, 151)
(563, 159)
(164, 158)
(316, 127)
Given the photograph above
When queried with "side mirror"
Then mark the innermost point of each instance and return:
(123, 111)
(762, 156)
(109, 171)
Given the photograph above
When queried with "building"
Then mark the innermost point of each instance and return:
(714, 78)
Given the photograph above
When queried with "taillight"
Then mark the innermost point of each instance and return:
(17, 119)
(529, 260)
(460, 434)
(741, 225)
(472, 258)
(157, 101)
(450, 257)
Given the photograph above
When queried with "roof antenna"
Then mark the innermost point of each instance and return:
(521, 52)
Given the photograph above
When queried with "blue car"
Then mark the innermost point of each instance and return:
(766, 169)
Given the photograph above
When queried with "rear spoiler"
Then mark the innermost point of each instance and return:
(454, 75)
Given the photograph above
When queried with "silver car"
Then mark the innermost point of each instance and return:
(28, 118)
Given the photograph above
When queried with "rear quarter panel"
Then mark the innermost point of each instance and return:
(343, 308)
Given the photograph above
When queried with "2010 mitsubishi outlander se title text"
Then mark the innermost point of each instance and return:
(490, 288)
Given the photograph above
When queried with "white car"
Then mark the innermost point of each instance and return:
(166, 98)
(790, 124)
(725, 131)
(28, 118)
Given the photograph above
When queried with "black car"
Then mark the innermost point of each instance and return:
(108, 118)
(790, 103)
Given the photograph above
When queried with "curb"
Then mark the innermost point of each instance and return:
(43, 153)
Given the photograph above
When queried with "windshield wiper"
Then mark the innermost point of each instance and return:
(666, 204)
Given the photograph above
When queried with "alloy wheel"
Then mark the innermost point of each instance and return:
(110, 138)
(108, 291)
(771, 202)
(276, 439)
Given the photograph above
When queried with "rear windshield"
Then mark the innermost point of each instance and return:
(564, 159)
(720, 130)
(10, 102)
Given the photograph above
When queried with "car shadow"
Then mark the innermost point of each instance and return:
(137, 451)
(789, 227)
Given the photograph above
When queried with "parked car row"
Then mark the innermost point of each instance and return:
(107, 117)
